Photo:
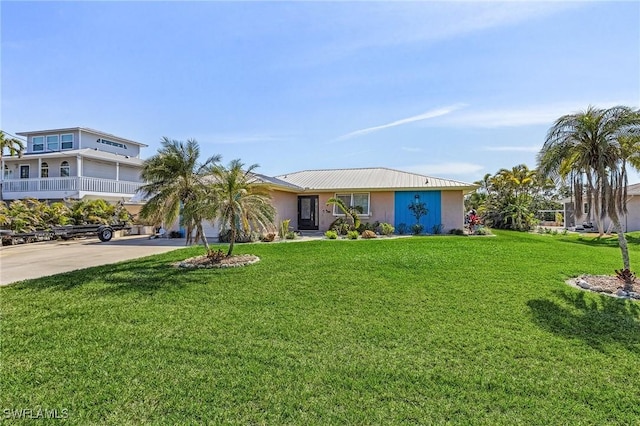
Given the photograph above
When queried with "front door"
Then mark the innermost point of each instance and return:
(308, 212)
(24, 171)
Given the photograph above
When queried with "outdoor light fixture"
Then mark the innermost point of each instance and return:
(417, 197)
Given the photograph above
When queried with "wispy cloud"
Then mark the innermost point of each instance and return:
(512, 148)
(521, 116)
(438, 112)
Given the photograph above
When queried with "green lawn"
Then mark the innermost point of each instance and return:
(422, 330)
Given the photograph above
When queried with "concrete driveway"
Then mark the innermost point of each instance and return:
(25, 261)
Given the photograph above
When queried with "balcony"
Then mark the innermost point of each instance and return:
(67, 187)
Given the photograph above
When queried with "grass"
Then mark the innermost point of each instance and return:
(423, 330)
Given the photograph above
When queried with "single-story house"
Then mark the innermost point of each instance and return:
(629, 222)
(382, 194)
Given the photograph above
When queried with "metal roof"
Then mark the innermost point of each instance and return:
(379, 178)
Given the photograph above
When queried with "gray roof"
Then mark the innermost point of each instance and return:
(378, 178)
(268, 180)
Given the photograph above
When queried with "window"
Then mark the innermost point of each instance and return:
(38, 143)
(52, 143)
(359, 200)
(111, 143)
(8, 173)
(64, 169)
(44, 170)
(67, 141)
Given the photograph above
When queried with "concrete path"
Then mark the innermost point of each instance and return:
(25, 261)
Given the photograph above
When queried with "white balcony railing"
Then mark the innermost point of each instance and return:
(66, 184)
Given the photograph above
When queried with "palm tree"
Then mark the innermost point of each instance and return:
(14, 146)
(177, 181)
(241, 204)
(589, 146)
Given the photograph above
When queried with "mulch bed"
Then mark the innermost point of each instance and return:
(227, 262)
(605, 284)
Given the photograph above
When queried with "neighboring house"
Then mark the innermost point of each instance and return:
(383, 194)
(73, 163)
(629, 222)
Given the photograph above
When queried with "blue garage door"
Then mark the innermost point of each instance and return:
(432, 200)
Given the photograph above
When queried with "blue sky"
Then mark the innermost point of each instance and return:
(449, 89)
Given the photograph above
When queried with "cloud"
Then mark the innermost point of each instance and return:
(425, 116)
(445, 169)
(521, 116)
(512, 148)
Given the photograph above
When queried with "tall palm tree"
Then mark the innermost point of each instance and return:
(178, 182)
(242, 205)
(587, 146)
(13, 146)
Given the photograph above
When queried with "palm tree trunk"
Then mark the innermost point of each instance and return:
(624, 249)
(203, 237)
(232, 240)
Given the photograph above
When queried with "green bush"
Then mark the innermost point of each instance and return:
(332, 235)
(456, 231)
(340, 225)
(386, 228)
(353, 235)
(291, 235)
(483, 230)
(436, 229)
(417, 229)
(402, 228)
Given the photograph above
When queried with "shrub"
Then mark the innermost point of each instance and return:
(353, 235)
(241, 237)
(332, 235)
(284, 228)
(483, 231)
(436, 229)
(368, 226)
(340, 225)
(417, 229)
(291, 235)
(386, 228)
(456, 231)
(402, 228)
(369, 234)
(216, 255)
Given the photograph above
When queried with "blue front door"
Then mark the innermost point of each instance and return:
(432, 201)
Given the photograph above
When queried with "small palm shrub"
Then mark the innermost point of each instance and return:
(386, 228)
(417, 229)
(402, 228)
(332, 235)
(340, 225)
(291, 235)
(369, 234)
(436, 229)
(353, 235)
(456, 231)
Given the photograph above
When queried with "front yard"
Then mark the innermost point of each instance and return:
(412, 330)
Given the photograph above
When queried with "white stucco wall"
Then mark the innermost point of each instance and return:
(452, 210)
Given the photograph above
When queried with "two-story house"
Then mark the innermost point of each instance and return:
(73, 163)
